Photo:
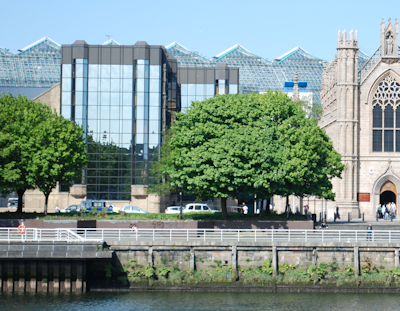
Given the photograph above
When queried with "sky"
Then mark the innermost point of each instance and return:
(266, 28)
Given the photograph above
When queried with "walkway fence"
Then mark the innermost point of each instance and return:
(35, 234)
(258, 235)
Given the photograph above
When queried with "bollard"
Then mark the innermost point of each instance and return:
(348, 217)
(320, 217)
(377, 216)
(363, 217)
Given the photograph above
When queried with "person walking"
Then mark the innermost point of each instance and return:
(245, 208)
(379, 211)
(57, 209)
(337, 212)
(369, 232)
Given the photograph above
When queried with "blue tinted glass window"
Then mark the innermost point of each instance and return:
(155, 85)
(93, 85)
(115, 71)
(79, 84)
(154, 139)
(67, 71)
(140, 61)
(78, 111)
(154, 126)
(127, 126)
(66, 98)
(127, 85)
(66, 84)
(210, 88)
(104, 112)
(154, 113)
(114, 125)
(155, 99)
(139, 126)
(79, 61)
(105, 85)
(190, 100)
(115, 99)
(200, 89)
(184, 101)
(114, 112)
(184, 89)
(79, 98)
(92, 98)
(115, 85)
(139, 85)
(92, 112)
(92, 126)
(127, 71)
(105, 99)
(233, 88)
(126, 138)
(66, 112)
(105, 126)
(105, 71)
(140, 71)
(127, 99)
(93, 71)
(139, 112)
(191, 89)
(127, 112)
(79, 71)
(139, 100)
(155, 72)
(139, 138)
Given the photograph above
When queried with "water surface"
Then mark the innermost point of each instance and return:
(197, 301)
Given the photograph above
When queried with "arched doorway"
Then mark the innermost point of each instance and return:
(388, 193)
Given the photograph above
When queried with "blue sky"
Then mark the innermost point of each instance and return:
(266, 28)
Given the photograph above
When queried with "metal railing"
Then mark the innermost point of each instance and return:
(35, 234)
(242, 235)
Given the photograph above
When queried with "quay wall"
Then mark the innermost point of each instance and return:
(204, 255)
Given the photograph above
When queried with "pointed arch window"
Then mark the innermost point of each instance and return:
(386, 116)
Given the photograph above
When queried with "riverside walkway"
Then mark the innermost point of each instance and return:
(239, 235)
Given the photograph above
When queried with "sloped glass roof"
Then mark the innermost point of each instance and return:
(37, 65)
(188, 58)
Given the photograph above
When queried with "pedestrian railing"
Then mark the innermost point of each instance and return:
(242, 235)
(36, 234)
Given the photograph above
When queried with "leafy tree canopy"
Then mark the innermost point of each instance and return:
(257, 144)
(37, 147)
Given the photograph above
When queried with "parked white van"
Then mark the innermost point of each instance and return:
(198, 208)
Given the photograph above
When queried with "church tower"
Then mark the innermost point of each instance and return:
(347, 118)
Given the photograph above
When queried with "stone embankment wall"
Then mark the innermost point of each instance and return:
(203, 255)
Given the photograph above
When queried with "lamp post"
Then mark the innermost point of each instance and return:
(180, 194)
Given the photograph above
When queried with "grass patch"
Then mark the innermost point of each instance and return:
(152, 216)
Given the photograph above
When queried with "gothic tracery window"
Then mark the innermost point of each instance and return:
(386, 116)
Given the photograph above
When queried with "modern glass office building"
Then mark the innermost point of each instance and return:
(37, 67)
(124, 96)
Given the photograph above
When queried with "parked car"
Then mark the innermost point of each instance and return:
(71, 209)
(12, 202)
(132, 210)
(173, 210)
(198, 207)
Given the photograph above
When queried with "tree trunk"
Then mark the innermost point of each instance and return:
(223, 208)
(20, 196)
(261, 208)
(46, 200)
(287, 204)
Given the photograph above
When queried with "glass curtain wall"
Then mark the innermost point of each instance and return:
(142, 121)
(110, 130)
(195, 92)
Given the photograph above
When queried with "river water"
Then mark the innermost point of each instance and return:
(198, 301)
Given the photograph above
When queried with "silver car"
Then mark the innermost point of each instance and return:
(129, 209)
(173, 210)
(71, 209)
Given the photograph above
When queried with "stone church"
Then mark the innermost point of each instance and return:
(361, 114)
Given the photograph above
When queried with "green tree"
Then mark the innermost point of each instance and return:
(58, 154)
(18, 118)
(242, 143)
(37, 147)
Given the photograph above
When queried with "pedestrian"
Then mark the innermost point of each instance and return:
(130, 227)
(379, 211)
(57, 209)
(245, 208)
(323, 224)
(337, 212)
(134, 228)
(306, 210)
(369, 232)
